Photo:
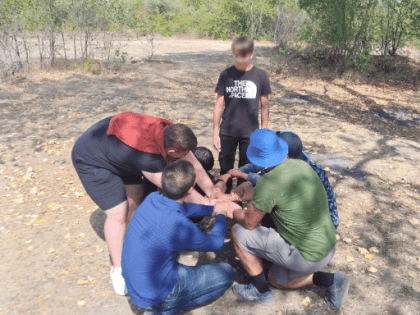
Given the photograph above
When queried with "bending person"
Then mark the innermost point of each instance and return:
(111, 158)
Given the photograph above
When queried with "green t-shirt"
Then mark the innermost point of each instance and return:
(297, 198)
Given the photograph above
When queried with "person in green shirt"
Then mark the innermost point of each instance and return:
(304, 239)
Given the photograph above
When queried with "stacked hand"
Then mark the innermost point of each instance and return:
(244, 192)
(226, 208)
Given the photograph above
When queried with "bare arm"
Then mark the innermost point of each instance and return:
(155, 178)
(217, 116)
(250, 218)
(201, 177)
(264, 111)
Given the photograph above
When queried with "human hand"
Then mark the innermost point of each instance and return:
(216, 192)
(224, 177)
(216, 142)
(221, 185)
(227, 207)
(237, 173)
(244, 191)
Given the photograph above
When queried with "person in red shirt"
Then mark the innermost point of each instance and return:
(111, 158)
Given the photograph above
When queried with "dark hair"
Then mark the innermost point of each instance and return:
(179, 138)
(205, 157)
(177, 178)
(293, 141)
(244, 45)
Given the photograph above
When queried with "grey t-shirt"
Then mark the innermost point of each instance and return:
(242, 91)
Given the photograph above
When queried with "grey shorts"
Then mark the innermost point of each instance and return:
(268, 244)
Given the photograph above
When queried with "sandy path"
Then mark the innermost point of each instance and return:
(374, 172)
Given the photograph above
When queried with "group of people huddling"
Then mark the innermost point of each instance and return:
(154, 185)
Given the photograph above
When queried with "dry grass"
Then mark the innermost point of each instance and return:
(386, 81)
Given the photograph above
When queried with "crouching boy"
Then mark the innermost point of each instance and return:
(158, 232)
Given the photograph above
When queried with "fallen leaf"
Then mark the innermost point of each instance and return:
(413, 221)
(337, 237)
(31, 247)
(368, 256)
(40, 221)
(92, 280)
(64, 272)
(362, 250)
(347, 240)
(356, 237)
(28, 242)
(396, 163)
(13, 144)
(18, 200)
(67, 235)
(373, 250)
(99, 250)
(385, 266)
(79, 194)
(82, 281)
(53, 206)
(40, 169)
(106, 293)
(327, 169)
(43, 307)
(30, 222)
(33, 190)
(350, 259)
(371, 269)
(81, 303)
(52, 250)
(306, 301)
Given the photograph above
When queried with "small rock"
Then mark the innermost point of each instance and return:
(347, 240)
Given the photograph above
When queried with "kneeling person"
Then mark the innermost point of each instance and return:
(303, 241)
(158, 232)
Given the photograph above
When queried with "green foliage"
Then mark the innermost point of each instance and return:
(88, 63)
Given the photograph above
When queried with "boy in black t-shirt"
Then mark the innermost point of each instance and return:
(240, 89)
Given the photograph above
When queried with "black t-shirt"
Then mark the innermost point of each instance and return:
(242, 91)
(96, 148)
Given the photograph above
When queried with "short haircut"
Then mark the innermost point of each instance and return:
(244, 45)
(179, 137)
(177, 178)
(293, 142)
(205, 157)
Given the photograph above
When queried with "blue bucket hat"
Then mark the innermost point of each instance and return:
(266, 149)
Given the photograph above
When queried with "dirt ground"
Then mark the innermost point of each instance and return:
(54, 257)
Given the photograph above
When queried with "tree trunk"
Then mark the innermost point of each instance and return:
(52, 46)
(17, 50)
(64, 46)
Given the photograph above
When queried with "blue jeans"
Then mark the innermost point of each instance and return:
(196, 285)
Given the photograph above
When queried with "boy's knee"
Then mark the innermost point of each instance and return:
(229, 274)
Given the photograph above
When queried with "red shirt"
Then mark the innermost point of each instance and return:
(141, 132)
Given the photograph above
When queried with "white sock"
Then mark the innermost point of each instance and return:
(117, 270)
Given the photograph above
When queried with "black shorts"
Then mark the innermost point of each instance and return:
(106, 189)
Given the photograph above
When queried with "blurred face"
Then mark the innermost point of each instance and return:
(241, 62)
(176, 155)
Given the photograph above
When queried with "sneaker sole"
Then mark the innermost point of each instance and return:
(346, 292)
(265, 302)
(346, 289)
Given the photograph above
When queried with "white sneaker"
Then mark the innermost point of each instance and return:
(118, 281)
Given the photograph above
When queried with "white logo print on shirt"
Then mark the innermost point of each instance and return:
(242, 89)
